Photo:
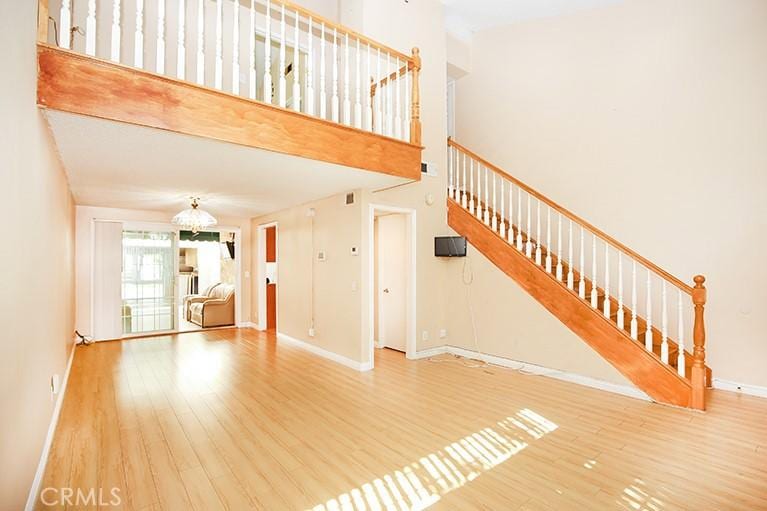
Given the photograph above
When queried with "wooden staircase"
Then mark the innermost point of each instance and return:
(639, 346)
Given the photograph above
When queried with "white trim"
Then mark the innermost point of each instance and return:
(35, 488)
(312, 348)
(586, 381)
(247, 324)
(410, 299)
(741, 388)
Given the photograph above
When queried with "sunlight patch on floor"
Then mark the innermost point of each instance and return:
(422, 483)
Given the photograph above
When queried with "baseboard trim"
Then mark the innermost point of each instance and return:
(740, 388)
(247, 324)
(586, 381)
(335, 357)
(35, 489)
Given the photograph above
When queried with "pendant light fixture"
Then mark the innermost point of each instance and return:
(194, 218)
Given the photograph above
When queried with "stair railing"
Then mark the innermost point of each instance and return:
(311, 64)
(641, 299)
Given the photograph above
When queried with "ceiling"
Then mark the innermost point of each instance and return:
(464, 17)
(119, 165)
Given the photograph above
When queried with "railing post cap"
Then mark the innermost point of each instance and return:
(699, 280)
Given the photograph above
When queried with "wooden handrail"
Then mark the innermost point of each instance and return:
(341, 29)
(698, 374)
(609, 239)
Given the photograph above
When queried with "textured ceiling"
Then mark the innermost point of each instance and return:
(113, 164)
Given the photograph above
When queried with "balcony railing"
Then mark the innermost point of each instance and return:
(267, 51)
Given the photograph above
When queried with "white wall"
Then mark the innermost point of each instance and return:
(649, 119)
(36, 257)
(84, 228)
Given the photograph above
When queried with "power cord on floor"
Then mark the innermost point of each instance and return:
(84, 339)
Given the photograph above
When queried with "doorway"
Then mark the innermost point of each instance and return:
(267, 269)
(391, 279)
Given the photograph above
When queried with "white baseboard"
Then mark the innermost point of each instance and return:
(430, 352)
(335, 357)
(742, 388)
(247, 324)
(34, 490)
(615, 388)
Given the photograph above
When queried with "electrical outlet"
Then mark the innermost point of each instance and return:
(442, 333)
(425, 335)
(311, 332)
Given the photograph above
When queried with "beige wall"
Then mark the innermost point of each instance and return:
(649, 119)
(334, 286)
(37, 258)
(84, 231)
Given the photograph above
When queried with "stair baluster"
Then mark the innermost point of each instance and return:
(664, 324)
(347, 101)
(368, 105)
(138, 38)
(334, 104)
(117, 31)
(606, 303)
(90, 27)
(219, 76)
(502, 225)
(582, 276)
(648, 342)
(65, 24)
(519, 219)
(252, 75)
(236, 48)
(398, 107)
(282, 83)
(594, 293)
(296, 65)
(680, 362)
(548, 240)
(379, 113)
(463, 184)
(510, 232)
(309, 103)
(471, 186)
(570, 275)
(620, 319)
(357, 89)
(268, 54)
(487, 196)
(559, 248)
(634, 324)
(538, 252)
(323, 72)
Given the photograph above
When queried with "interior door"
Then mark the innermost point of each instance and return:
(392, 280)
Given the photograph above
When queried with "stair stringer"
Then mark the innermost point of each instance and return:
(658, 380)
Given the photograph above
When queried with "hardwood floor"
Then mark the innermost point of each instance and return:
(228, 419)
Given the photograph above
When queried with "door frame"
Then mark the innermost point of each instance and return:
(261, 271)
(410, 293)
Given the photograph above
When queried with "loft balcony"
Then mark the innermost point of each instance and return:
(262, 74)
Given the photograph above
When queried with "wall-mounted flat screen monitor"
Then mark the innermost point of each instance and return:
(450, 246)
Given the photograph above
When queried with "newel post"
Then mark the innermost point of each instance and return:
(415, 107)
(698, 375)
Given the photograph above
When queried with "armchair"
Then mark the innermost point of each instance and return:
(190, 299)
(216, 310)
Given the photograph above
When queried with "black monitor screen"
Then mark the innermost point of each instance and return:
(450, 246)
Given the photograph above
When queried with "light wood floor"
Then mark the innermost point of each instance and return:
(228, 419)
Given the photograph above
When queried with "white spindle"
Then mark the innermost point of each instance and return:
(65, 20)
(117, 29)
(369, 106)
(347, 101)
(494, 215)
(357, 89)
(200, 42)
(310, 72)
(648, 333)
(236, 48)
(160, 58)
(582, 276)
(282, 83)
(398, 106)
(538, 252)
(406, 105)
(634, 324)
(570, 262)
(463, 185)
(548, 240)
(334, 103)
(379, 113)
(559, 249)
(664, 324)
(680, 364)
(252, 76)
(450, 172)
(90, 28)
(471, 186)
(594, 292)
(529, 246)
(181, 41)
(268, 54)
(519, 219)
(323, 92)
(606, 303)
(389, 125)
(621, 314)
(502, 225)
(219, 74)
(296, 66)
(138, 38)
(511, 213)
(487, 200)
